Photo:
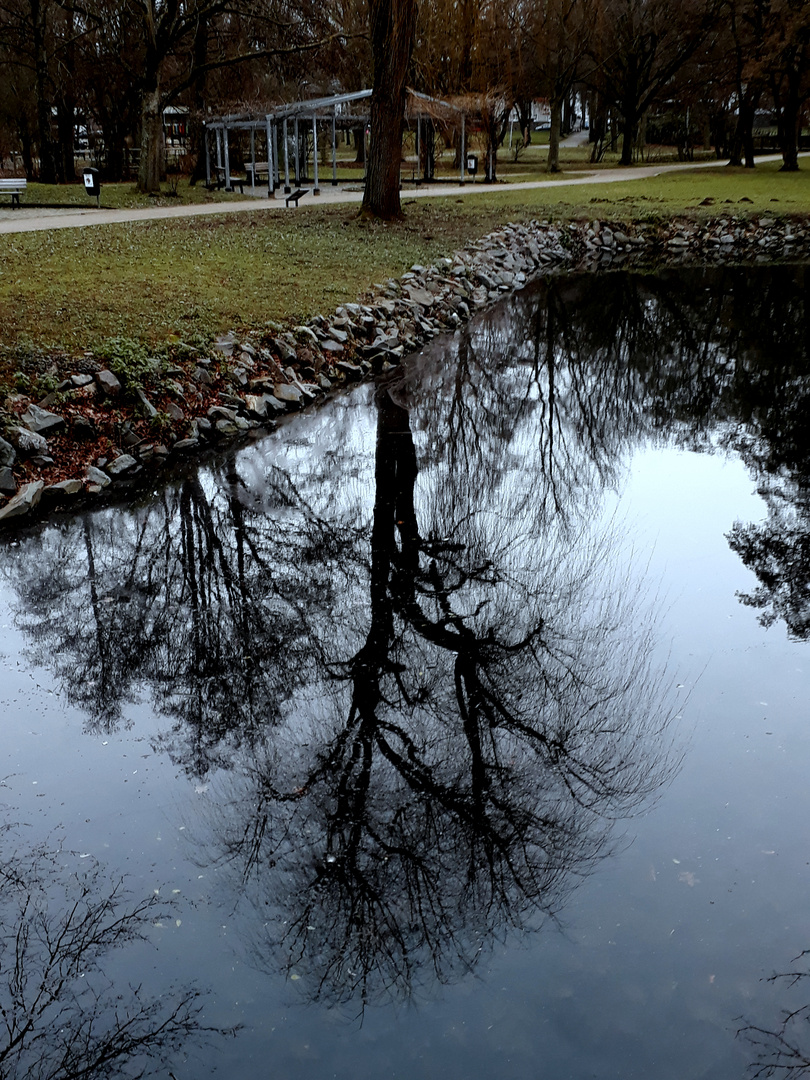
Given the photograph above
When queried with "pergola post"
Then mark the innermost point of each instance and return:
(207, 157)
(273, 130)
(463, 148)
(272, 157)
(315, 190)
(219, 149)
(297, 156)
(334, 147)
(252, 161)
(287, 188)
(227, 160)
(418, 147)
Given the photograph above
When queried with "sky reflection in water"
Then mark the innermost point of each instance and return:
(467, 711)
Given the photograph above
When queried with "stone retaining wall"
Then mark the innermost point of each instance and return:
(249, 380)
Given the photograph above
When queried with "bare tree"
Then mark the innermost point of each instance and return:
(392, 24)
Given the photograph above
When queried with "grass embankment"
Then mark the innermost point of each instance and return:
(72, 289)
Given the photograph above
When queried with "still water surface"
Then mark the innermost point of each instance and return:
(458, 729)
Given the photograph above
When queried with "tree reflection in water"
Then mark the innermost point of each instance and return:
(427, 667)
(60, 1016)
(472, 737)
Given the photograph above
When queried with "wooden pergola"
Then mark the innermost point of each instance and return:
(336, 112)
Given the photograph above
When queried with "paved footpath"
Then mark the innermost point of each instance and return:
(38, 219)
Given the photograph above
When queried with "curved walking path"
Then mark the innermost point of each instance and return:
(38, 219)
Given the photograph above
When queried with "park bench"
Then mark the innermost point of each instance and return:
(236, 181)
(294, 196)
(260, 169)
(14, 188)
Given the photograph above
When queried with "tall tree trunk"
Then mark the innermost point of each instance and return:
(195, 133)
(788, 124)
(359, 145)
(47, 163)
(524, 109)
(66, 127)
(151, 141)
(393, 23)
(629, 128)
(26, 146)
(553, 161)
(66, 102)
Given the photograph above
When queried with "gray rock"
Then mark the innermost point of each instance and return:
(64, 488)
(28, 442)
(122, 464)
(175, 412)
(23, 502)
(257, 406)
(8, 484)
(186, 444)
(273, 403)
(202, 376)
(285, 392)
(226, 427)
(108, 382)
(487, 281)
(148, 407)
(220, 412)
(284, 350)
(225, 344)
(305, 334)
(39, 420)
(331, 346)
(96, 476)
(352, 371)
(419, 296)
(81, 380)
(8, 454)
(83, 428)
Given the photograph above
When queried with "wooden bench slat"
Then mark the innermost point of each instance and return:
(13, 186)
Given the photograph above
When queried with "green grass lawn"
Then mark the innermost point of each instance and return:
(119, 196)
(71, 289)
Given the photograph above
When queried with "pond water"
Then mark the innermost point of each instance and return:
(458, 729)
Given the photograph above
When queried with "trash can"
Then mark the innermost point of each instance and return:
(92, 184)
(472, 164)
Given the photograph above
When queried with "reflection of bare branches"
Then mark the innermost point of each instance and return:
(60, 1017)
(461, 756)
(780, 1050)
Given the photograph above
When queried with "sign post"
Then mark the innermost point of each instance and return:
(92, 184)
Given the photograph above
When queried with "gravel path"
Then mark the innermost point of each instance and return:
(36, 219)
